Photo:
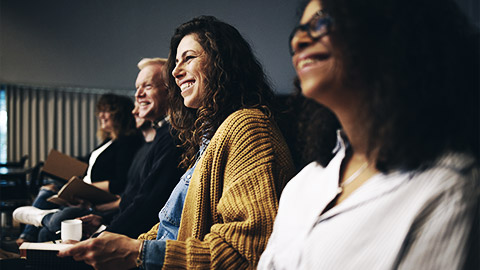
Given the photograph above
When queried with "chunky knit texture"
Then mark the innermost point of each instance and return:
(151, 234)
(233, 196)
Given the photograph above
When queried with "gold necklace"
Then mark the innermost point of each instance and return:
(352, 177)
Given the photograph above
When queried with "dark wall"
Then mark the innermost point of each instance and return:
(97, 43)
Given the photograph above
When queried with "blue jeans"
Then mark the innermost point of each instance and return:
(30, 232)
(51, 222)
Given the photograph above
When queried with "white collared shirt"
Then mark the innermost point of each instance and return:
(400, 220)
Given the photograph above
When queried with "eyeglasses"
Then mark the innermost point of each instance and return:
(318, 26)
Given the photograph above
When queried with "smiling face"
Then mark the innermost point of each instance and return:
(189, 71)
(314, 62)
(151, 93)
(106, 121)
(139, 121)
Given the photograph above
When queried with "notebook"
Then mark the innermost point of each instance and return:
(63, 167)
(44, 256)
(77, 188)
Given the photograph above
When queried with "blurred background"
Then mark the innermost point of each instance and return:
(57, 56)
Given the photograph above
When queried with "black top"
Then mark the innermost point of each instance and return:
(145, 196)
(137, 166)
(113, 163)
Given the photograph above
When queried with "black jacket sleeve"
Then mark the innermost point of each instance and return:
(159, 177)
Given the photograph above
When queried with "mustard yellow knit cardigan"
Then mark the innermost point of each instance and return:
(233, 196)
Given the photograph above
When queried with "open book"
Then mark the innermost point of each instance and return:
(62, 167)
(77, 189)
(44, 256)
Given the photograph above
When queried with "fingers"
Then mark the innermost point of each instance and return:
(51, 187)
(88, 251)
(106, 234)
(87, 217)
(77, 250)
(108, 251)
(70, 241)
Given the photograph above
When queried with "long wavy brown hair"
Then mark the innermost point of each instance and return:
(234, 80)
(120, 107)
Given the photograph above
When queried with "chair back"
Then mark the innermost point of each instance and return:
(36, 178)
(15, 164)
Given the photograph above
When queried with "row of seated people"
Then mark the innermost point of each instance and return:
(131, 163)
(397, 188)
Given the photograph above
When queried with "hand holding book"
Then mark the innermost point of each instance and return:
(76, 191)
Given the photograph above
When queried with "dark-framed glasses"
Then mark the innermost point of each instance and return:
(318, 26)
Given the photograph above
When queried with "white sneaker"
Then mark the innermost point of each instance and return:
(31, 215)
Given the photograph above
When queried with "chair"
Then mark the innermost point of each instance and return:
(15, 164)
(13, 196)
(36, 179)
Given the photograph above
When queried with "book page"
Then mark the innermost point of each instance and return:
(76, 188)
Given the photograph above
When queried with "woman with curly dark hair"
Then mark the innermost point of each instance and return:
(238, 161)
(235, 79)
(402, 189)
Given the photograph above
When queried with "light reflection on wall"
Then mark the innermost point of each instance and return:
(3, 127)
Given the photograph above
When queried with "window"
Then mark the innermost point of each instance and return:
(3, 126)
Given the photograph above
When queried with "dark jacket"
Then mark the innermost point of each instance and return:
(145, 196)
(113, 163)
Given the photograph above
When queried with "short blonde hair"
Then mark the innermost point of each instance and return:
(151, 61)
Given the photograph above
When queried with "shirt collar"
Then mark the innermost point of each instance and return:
(161, 122)
(342, 142)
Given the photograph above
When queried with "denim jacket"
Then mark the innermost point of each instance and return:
(169, 218)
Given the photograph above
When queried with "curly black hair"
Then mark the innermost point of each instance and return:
(309, 128)
(234, 79)
(417, 65)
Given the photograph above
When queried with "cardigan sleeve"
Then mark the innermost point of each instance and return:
(151, 234)
(248, 165)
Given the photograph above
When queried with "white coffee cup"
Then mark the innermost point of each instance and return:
(71, 230)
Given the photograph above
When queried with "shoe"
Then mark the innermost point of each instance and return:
(10, 246)
(8, 255)
(31, 215)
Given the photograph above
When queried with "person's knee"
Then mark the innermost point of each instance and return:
(53, 222)
(45, 235)
(50, 187)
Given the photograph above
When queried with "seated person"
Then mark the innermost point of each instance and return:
(147, 191)
(92, 222)
(221, 212)
(108, 166)
(402, 190)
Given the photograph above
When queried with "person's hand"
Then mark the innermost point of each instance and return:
(80, 203)
(50, 187)
(90, 224)
(109, 206)
(108, 251)
(70, 241)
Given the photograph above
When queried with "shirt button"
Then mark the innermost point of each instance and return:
(189, 176)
